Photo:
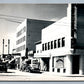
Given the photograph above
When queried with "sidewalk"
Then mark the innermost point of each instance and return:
(18, 72)
(45, 76)
(63, 75)
(23, 73)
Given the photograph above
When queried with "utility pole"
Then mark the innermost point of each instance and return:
(26, 54)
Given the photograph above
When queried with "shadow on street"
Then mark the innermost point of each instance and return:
(35, 72)
(74, 76)
(7, 72)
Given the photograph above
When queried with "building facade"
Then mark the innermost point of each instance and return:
(28, 32)
(62, 44)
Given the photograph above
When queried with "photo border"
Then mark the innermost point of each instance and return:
(41, 2)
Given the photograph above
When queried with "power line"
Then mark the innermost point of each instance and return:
(12, 16)
(11, 20)
(6, 17)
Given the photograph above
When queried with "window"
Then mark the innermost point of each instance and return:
(45, 46)
(58, 70)
(64, 70)
(48, 45)
(63, 42)
(52, 61)
(42, 47)
(37, 51)
(55, 41)
(35, 61)
(24, 29)
(28, 62)
(24, 38)
(51, 44)
(17, 49)
(73, 43)
(21, 31)
(23, 47)
(21, 40)
(16, 42)
(58, 43)
(60, 63)
(20, 48)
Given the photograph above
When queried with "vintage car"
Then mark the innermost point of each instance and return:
(31, 65)
(3, 67)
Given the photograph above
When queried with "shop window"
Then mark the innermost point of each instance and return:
(63, 42)
(42, 47)
(55, 41)
(60, 63)
(51, 44)
(48, 45)
(59, 44)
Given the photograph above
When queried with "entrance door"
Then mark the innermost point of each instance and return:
(75, 64)
(46, 63)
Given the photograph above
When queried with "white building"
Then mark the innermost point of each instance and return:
(28, 32)
(61, 48)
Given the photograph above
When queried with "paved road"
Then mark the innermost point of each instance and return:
(16, 75)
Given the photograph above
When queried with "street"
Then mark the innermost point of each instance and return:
(16, 75)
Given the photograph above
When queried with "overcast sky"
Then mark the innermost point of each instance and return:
(18, 12)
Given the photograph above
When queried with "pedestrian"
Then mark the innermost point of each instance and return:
(45, 67)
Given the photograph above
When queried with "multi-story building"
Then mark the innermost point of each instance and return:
(61, 49)
(28, 32)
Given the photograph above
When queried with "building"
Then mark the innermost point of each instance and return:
(61, 49)
(28, 32)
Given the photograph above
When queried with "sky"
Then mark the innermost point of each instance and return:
(12, 14)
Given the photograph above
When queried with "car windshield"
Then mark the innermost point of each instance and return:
(35, 61)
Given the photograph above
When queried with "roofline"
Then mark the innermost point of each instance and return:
(38, 42)
(40, 20)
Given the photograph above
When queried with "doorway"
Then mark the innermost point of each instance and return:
(75, 64)
(46, 63)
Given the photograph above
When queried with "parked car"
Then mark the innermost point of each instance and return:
(31, 65)
(34, 65)
(3, 67)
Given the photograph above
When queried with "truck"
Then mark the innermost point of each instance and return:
(31, 65)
